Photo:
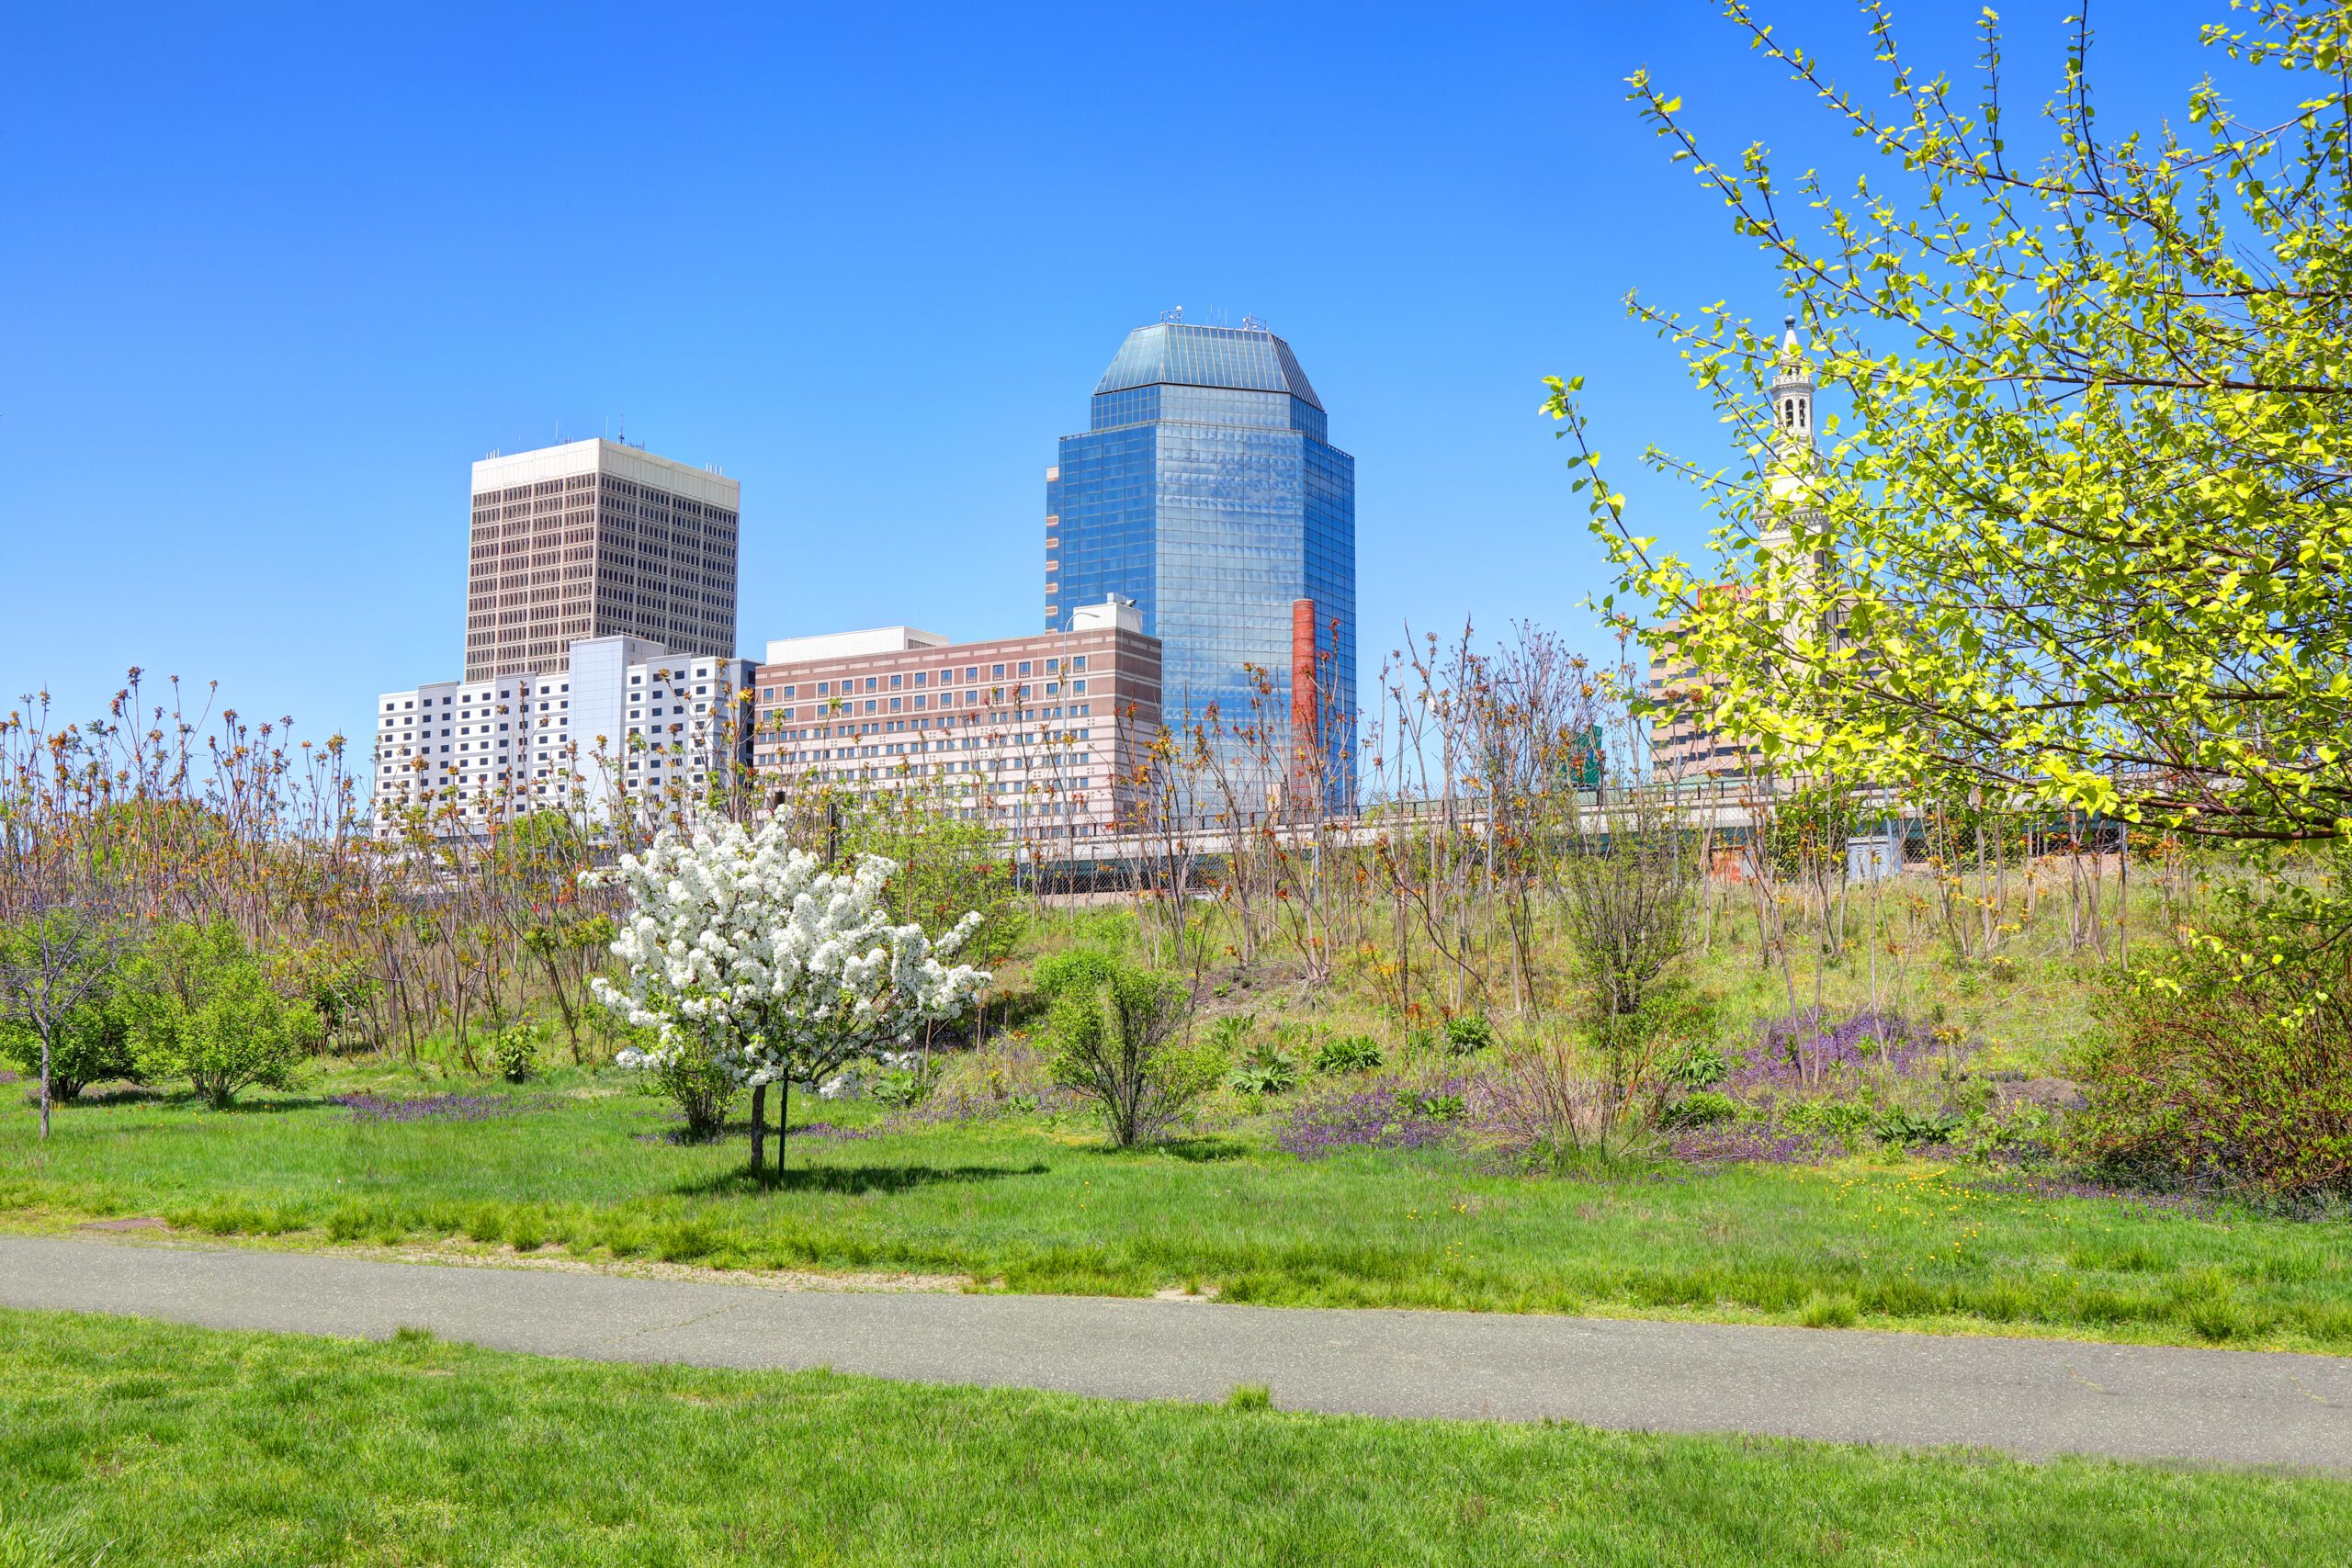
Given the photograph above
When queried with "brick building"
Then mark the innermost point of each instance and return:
(1039, 735)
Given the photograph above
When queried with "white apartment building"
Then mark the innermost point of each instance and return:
(627, 721)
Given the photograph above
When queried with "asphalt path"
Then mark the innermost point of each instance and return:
(2033, 1397)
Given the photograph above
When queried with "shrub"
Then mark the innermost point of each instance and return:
(1907, 1129)
(691, 1074)
(1116, 1042)
(1701, 1107)
(516, 1049)
(1430, 1105)
(1630, 880)
(898, 1087)
(1468, 1032)
(1086, 969)
(1551, 1101)
(1268, 1069)
(201, 1008)
(1348, 1054)
(1835, 1118)
(1699, 1065)
(1234, 1032)
(2219, 1071)
(92, 1045)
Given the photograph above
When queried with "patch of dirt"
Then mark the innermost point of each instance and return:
(148, 1231)
(2051, 1094)
(554, 1261)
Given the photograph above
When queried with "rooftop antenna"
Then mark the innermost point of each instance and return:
(1175, 316)
(1253, 324)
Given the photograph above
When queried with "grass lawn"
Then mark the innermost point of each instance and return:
(156, 1443)
(1038, 1205)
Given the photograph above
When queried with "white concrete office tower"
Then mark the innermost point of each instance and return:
(594, 539)
(628, 720)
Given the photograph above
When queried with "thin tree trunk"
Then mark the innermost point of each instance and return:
(759, 1127)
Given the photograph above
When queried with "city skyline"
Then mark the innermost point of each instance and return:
(263, 258)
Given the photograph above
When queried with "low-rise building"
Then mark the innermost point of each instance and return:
(1042, 736)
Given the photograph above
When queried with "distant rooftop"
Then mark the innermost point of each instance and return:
(593, 455)
(1249, 359)
(851, 645)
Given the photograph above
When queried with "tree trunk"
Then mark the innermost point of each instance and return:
(44, 1083)
(759, 1127)
(783, 1112)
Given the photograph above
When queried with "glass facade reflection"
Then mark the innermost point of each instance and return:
(1207, 490)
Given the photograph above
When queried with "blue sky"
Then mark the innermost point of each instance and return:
(274, 278)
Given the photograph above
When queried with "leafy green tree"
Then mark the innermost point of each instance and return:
(2083, 542)
(58, 1015)
(201, 1008)
(89, 1044)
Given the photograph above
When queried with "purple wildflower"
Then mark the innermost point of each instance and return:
(1741, 1143)
(1808, 1049)
(823, 1129)
(436, 1106)
(1382, 1114)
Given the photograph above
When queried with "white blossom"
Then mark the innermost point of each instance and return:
(741, 946)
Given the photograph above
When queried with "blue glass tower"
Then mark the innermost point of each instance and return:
(1206, 488)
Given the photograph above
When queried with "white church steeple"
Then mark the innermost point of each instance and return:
(1792, 391)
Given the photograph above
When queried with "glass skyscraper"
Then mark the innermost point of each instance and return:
(1207, 490)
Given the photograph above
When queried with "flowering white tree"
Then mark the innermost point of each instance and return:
(751, 965)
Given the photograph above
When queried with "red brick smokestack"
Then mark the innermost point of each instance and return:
(1305, 707)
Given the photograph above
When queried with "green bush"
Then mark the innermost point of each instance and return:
(1268, 1069)
(1908, 1129)
(516, 1049)
(1433, 1107)
(1700, 1063)
(1234, 1032)
(1468, 1032)
(93, 1045)
(1838, 1117)
(1348, 1054)
(898, 1087)
(2223, 1070)
(1078, 969)
(201, 1008)
(689, 1075)
(1117, 1043)
(1699, 1108)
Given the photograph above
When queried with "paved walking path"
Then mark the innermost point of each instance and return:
(2030, 1396)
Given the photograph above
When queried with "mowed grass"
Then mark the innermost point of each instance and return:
(1041, 1205)
(151, 1443)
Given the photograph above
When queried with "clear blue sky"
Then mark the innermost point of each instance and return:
(274, 278)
